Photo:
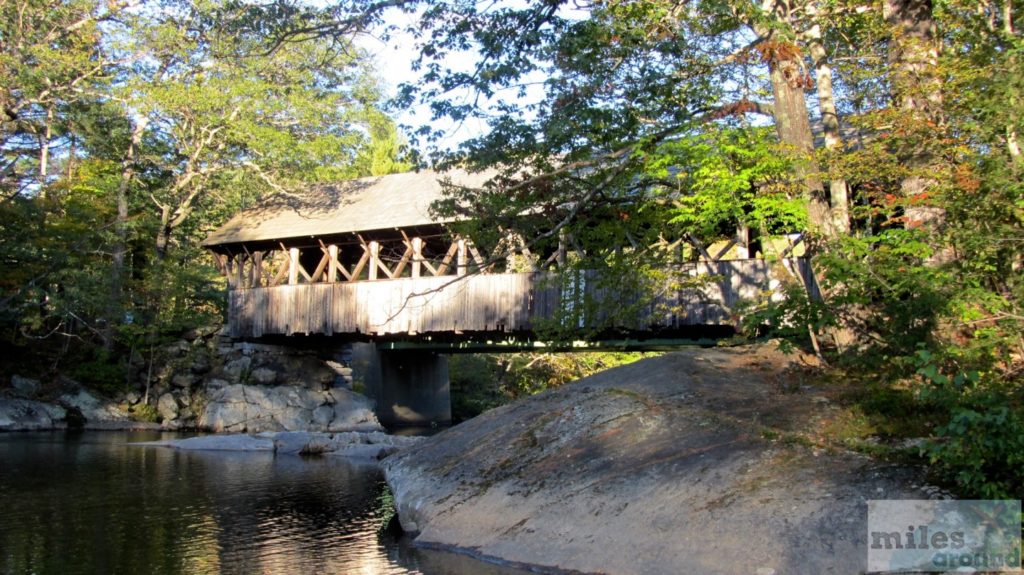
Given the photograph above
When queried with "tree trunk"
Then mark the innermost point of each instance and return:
(838, 189)
(793, 127)
(116, 296)
(916, 89)
(1013, 145)
(163, 234)
(171, 219)
(44, 149)
(914, 54)
(72, 150)
(1012, 139)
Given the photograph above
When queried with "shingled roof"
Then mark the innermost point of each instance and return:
(366, 204)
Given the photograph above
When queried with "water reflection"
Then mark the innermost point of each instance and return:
(92, 503)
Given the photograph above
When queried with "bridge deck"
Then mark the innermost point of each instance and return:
(513, 303)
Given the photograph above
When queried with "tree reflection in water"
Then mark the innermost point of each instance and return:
(92, 503)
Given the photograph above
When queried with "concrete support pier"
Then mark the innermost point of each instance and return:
(410, 387)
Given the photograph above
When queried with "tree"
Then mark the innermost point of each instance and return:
(217, 104)
(652, 124)
(53, 63)
(916, 89)
(638, 75)
(131, 129)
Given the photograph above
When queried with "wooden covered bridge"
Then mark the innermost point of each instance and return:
(367, 260)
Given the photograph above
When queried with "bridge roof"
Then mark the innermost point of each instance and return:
(366, 204)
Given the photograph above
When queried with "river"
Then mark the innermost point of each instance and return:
(93, 503)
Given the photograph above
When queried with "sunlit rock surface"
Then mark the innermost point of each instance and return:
(287, 408)
(662, 466)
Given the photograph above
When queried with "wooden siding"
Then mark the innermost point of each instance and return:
(513, 302)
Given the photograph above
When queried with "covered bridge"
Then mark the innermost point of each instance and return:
(367, 259)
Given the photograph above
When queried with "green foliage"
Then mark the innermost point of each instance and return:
(52, 61)
(181, 295)
(903, 318)
(128, 133)
(386, 510)
(474, 385)
(733, 176)
(882, 287)
(895, 411)
(980, 448)
(101, 370)
(144, 412)
(982, 451)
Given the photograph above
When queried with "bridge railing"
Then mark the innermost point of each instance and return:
(506, 302)
(367, 260)
(441, 255)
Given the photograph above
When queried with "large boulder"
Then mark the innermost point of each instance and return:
(237, 370)
(184, 380)
(98, 413)
(177, 349)
(167, 407)
(666, 466)
(28, 415)
(25, 387)
(227, 409)
(350, 410)
(263, 376)
(286, 408)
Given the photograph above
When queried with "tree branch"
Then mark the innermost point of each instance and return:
(356, 21)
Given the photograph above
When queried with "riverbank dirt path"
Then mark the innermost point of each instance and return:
(683, 463)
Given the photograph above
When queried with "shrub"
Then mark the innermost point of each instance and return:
(980, 448)
(101, 371)
(145, 412)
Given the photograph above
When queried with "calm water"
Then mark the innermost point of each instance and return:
(93, 503)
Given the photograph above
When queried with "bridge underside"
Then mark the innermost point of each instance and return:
(700, 336)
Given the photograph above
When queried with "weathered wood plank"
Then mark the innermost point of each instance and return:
(334, 265)
(442, 269)
(417, 256)
(324, 261)
(400, 266)
(293, 266)
(374, 259)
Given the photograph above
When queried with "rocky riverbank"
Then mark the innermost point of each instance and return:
(204, 382)
(73, 407)
(685, 463)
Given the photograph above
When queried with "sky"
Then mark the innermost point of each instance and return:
(394, 60)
